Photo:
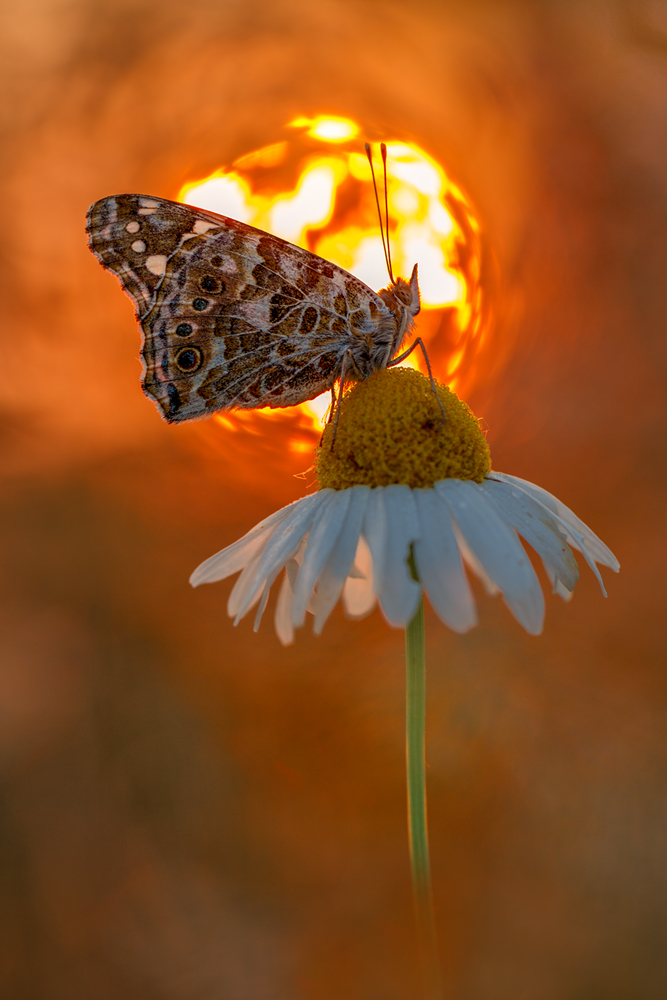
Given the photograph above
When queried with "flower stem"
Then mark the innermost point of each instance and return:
(415, 721)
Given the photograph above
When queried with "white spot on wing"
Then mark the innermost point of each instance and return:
(148, 203)
(156, 264)
(228, 265)
(132, 227)
(201, 226)
(290, 268)
(138, 246)
(256, 313)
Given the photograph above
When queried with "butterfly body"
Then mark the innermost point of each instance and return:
(235, 317)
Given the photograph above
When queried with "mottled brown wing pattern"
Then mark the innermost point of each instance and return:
(133, 236)
(232, 317)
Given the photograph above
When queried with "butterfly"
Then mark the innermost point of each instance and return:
(235, 317)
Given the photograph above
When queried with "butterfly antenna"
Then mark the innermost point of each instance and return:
(377, 202)
(383, 149)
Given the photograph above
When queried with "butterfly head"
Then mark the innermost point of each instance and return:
(406, 293)
(402, 297)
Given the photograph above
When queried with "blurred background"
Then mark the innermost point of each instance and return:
(190, 811)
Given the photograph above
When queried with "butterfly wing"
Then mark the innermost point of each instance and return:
(133, 236)
(231, 316)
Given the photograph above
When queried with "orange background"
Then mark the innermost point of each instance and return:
(190, 810)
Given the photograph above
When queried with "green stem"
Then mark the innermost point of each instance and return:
(415, 722)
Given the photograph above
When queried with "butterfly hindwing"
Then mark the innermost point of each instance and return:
(231, 316)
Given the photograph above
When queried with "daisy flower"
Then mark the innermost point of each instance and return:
(405, 505)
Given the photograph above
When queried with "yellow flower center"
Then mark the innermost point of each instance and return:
(390, 430)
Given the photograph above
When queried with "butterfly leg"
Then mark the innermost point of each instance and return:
(405, 354)
(332, 410)
(348, 362)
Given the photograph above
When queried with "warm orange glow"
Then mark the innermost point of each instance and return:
(327, 127)
(315, 190)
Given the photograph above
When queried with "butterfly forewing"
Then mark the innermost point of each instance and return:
(231, 316)
(133, 236)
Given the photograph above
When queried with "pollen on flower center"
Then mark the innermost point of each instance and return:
(390, 430)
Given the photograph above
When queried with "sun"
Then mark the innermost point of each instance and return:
(315, 190)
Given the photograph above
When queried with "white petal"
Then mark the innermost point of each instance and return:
(558, 586)
(498, 549)
(257, 592)
(262, 604)
(236, 556)
(538, 526)
(246, 580)
(471, 560)
(397, 592)
(291, 569)
(359, 597)
(240, 589)
(265, 596)
(282, 545)
(283, 616)
(439, 564)
(578, 533)
(284, 628)
(321, 539)
(374, 531)
(579, 542)
(337, 566)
